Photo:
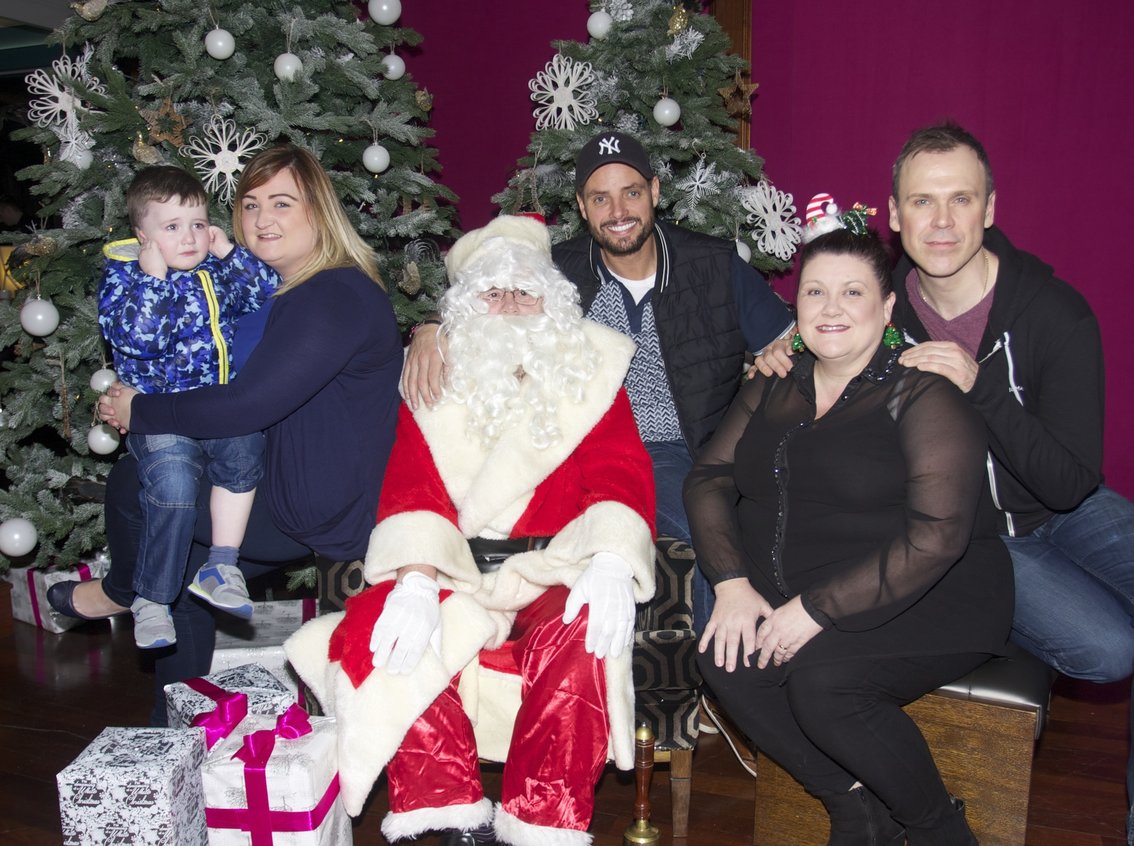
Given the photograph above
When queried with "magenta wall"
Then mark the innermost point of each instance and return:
(1045, 84)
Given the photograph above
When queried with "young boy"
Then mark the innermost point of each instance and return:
(168, 302)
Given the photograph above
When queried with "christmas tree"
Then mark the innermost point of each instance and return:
(661, 72)
(203, 86)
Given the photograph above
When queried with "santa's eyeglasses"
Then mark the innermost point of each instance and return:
(519, 296)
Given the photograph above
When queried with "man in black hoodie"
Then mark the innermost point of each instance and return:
(1025, 347)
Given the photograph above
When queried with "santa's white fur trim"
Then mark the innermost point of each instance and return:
(500, 481)
(412, 823)
(420, 537)
(515, 832)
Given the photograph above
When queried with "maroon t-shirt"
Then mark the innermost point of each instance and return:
(965, 329)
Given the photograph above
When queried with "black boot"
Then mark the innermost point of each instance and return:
(483, 836)
(953, 830)
(859, 818)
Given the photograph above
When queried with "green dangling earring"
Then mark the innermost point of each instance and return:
(797, 343)
(891, 337)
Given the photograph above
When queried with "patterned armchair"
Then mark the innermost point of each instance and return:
(667, 683)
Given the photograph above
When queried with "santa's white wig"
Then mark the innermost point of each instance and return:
(486, 351)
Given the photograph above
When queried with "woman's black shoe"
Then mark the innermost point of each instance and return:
(483, 836)
(60, 596)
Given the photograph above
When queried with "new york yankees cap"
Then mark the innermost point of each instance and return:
(610, 148)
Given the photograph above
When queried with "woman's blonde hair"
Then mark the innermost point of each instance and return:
(337, 244)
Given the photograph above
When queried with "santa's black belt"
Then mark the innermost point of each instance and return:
(489, 554)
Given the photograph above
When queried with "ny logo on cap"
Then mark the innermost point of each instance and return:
(609, 146)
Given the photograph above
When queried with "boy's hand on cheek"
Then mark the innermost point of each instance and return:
(151, 261)
(219, 245)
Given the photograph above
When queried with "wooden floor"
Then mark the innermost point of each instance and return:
(58, 691)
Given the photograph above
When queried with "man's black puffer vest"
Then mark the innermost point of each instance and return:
(696, 316)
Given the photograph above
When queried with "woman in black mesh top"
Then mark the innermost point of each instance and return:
(835, 511)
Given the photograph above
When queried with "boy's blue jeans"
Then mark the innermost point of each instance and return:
(170, 469)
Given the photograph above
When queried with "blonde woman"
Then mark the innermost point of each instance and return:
(321, 383)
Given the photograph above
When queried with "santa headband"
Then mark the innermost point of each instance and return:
(823, 216)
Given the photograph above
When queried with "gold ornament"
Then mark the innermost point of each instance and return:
(423, 99)
(40, 245)
(91, 10)
(679, 20)
(411, 279)
(738, 96)
(144, 153)
(165, 124)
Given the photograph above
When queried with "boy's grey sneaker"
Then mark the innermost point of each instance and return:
(223, 587)
(153, 624)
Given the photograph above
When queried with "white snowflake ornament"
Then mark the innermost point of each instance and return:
(75, 146)
(701, 181)
(55, 102)
(561, 89)
(219, 155)
(772, 214)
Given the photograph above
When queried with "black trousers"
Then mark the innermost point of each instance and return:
(831, 724)
(265, 548)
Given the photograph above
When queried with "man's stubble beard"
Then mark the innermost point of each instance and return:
(616, 248)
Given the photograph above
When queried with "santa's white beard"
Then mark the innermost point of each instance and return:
(487, 354)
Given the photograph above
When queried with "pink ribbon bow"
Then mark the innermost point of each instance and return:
(219, 722)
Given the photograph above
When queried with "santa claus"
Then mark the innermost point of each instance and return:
(514, 537)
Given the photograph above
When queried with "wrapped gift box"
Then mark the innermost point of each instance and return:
(271, 624)
(271, 658)
(29, 591)
(274, 780)
(136, 786)
(265, 694)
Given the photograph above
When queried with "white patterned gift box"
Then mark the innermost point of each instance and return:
(212, 697)
(271, 658)
(273, 622)
(137, 786)
(29, 591)
(274, 782)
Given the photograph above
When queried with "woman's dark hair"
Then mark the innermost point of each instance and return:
(843, 242)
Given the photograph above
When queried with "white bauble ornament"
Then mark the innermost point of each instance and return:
(598, 24)
(82, 159)
(384, 12)
(103, 439)
(287, 66)
(743, 250)
(220, 44)
(667, 112)
(376, 158)
(39, 317)
(102, 379)
(17, 537)
(393, 66)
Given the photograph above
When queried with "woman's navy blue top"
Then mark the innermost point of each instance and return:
(323, 386)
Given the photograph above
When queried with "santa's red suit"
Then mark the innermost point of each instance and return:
(510, 682)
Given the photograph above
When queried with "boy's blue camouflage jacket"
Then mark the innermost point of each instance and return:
(174, 334)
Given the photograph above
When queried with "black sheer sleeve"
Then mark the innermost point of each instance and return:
(943, 444)
(711, 495)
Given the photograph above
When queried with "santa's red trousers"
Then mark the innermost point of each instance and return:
(559, 741)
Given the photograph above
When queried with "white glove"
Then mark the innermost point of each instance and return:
(607, 585)
(410, 621)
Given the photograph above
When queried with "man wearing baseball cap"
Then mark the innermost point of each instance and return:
(692, 305)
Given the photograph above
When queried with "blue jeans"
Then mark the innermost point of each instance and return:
(1075, 595)
(170, 469)
(1075, 589)
(672, 464)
